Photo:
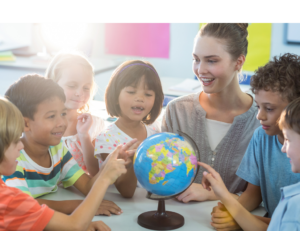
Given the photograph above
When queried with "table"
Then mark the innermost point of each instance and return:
(196, 214)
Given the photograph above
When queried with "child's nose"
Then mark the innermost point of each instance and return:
(261, 115)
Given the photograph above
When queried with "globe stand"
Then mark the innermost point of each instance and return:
(161, 219)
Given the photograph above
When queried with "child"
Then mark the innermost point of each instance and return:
(264, 166)
(286, 216)
(21, 212)
(134, 95)
(45, 162)
(75, 74)
(221, 117)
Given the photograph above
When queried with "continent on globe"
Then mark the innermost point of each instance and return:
(167, 155)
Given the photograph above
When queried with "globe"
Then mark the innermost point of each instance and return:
(165, 164)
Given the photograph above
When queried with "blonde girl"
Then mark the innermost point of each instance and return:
(75, 74)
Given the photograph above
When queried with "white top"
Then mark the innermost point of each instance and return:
(112, 136)
(216, 131)
(74, 146)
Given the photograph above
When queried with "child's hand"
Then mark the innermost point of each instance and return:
(98, 225)
(214, 180)
(221, 219)
(84, 123)
(113, 167)
(127, 152)
(107, 208)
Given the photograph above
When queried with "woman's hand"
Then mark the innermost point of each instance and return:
(196, 192)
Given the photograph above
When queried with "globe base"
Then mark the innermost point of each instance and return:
(161, 219)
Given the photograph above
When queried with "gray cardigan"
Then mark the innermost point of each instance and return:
(186, 114)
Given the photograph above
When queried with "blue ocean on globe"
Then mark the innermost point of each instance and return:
(165, 164)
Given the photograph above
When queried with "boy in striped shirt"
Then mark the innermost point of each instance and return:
(45, 162)
(19, 211)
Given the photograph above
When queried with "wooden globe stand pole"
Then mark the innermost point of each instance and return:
(161, 219)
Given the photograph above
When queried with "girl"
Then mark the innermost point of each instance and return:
(221, 118)
(75, 74)
(287, 213)
(134, 95)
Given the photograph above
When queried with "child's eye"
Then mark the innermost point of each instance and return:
(196, 60)
(51, 117)
(64, 114)
(211, 61)
(130, 92)
(71, 86)
(257, 106)
(269, 109)
(148, 95)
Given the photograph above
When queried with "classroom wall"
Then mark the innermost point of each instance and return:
(179, 65)
(278, 43)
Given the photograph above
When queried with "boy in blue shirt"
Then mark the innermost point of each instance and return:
(287, 214)
(264, 166)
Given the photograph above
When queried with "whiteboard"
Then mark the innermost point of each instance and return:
(293, 33)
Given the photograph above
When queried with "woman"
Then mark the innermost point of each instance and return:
(221, 118)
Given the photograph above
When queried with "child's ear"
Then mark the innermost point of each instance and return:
(240, 62)
(26, 124)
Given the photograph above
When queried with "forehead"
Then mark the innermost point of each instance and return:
(76, 73)
(206, 46)
(271, 97)
(51, 104)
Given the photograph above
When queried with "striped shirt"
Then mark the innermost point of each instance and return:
(21, 212)
(36, 180)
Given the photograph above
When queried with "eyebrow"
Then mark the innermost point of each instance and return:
(265, 103)
(209, 56)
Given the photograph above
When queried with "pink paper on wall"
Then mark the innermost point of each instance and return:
(138, 39)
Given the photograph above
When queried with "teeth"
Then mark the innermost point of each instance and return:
(206, 80)
(140, 108)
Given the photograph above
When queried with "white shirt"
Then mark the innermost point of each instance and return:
(112, 136)
(216, 131)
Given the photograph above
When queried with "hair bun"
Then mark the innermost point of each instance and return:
(243, 26)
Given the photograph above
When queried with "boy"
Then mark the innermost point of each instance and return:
(45, 161)
(264, 166)
(287, 214)
(21, 212)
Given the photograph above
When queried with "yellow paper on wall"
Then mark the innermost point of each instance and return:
(259, 45)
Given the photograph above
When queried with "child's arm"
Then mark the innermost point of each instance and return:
(85, 183)
(82, 216)
(243, 217)
(250, 199)
(126, 184)
(196, 192)
(84, 123)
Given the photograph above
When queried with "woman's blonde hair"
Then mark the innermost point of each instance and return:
(66, 59)
(11, 125)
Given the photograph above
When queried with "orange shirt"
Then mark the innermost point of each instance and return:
(19, 211)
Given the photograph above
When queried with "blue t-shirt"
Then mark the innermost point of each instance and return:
(264, 165)
(287, 214)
